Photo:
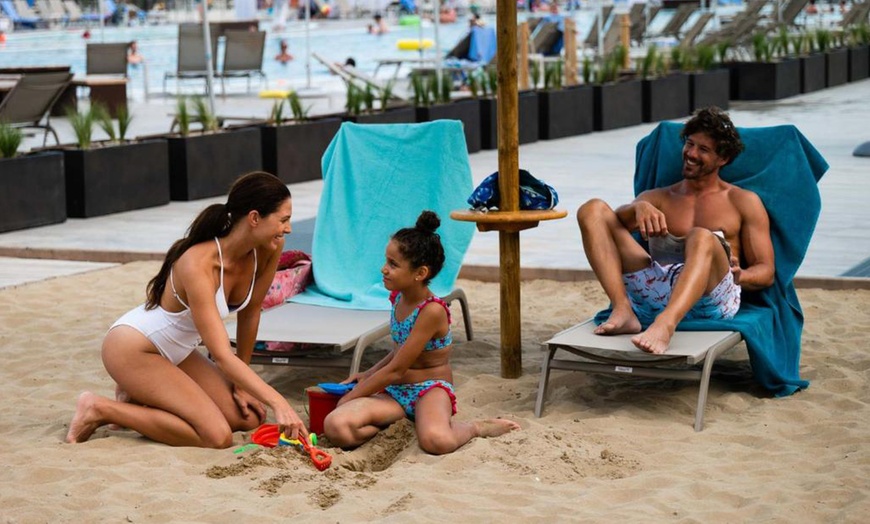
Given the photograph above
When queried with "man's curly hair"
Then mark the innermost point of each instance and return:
(716, 124)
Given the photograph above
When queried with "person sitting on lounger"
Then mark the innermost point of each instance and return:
(414, 380)
(166, 389)
(707, 240)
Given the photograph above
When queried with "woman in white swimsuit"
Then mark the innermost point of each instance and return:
(168, 391)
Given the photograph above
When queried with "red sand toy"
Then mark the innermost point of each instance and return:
(268, 436)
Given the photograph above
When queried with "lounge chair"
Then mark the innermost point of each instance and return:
(191, 62)
(678, 20)
(741, 28)
(777, 161)
(351, 75)
(75, 12)
(640, 21)
(857, 15)
(688, 38)
(19, 19)
(29, 103)
(591, 39)
(52, 12)
(243, 56)
(106, 59)
(364, 168)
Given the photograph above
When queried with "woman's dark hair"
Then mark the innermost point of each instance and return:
(421, 245)
(716, 124)
(258, 191)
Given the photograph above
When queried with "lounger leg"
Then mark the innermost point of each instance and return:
(458, 294)
(702, 392)
(544, 382)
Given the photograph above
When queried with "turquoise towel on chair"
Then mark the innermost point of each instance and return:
(377, 180)
(783, 168)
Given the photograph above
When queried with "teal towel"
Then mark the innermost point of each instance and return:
(377, 180)
(783, 168)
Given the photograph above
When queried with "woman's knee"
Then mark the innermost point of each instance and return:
(216, 437)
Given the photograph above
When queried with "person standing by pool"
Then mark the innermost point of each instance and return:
(166, 389)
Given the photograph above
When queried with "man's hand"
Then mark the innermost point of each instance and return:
(736, 270)
(247, 403)
(650, 220)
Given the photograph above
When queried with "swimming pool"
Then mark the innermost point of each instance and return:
(158, 44)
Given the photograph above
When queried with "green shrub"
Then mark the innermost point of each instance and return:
(705, 57)
(647, 64)
(823, 40)
(104, 120)
(384, 95)
(82, 125)
(10, 140)
(587, 70)
(553, 75)
(354, 101)
(761, 47)
(276, 115)
(182, 116)
(204, 115)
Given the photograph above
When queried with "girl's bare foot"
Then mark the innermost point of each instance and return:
(493, 427)
(86, 419)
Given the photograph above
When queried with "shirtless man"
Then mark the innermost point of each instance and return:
(723, 227)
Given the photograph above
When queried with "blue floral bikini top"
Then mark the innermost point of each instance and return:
(401, 330)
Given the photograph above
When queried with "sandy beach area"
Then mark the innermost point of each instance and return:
(607, 449)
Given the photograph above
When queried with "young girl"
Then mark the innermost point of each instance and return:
(168, 391)
(414, 379)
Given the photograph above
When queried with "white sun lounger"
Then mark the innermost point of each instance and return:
(617, 355)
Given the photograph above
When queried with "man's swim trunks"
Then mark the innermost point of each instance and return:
(408, 394)
(650, 290)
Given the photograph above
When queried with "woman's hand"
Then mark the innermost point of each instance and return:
(288, 421)
(248, 403)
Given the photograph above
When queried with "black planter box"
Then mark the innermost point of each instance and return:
(116, 178)
(812, 72)
(399, 115)
(527, 102)
(32, 191)
(565, 112)
(292, 152)
(837, 67)
(618, 104)
(665, 98)
(466, 111)
(204, 166)
(765, 80)
(859, 63)
(709, 88)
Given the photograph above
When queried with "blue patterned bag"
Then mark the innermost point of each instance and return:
(534, 194)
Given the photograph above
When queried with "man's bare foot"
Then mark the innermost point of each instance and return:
(620, 322)
(86, 419)
(493, 427)
(655, 339)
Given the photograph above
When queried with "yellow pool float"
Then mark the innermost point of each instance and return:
(275, 93)
(413, 44)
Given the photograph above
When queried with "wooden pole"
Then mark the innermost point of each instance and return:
(508, 183)
(570, 53)
(523, 66)
(625, 38)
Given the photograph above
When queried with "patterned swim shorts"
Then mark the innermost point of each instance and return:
(408, 394)
(650, 290)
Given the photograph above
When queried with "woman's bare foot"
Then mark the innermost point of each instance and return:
(656, 339)
(620, 322)
(120, 396)
(86, 419)
(493, 427)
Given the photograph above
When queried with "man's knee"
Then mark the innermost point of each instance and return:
(592, 209)
(701, 239)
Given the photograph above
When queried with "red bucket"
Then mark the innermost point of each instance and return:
(320, 404)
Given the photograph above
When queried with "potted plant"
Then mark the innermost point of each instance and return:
(563, 111)
(112, 175)
(618, 99)
(527, 113)
(836, 58)
(665, 92)
(812, 64)
(859, 52)
(432, 102)
(204, 163)
(32, 187)
(360, 106)
(292, 147)
(708, 81)
(768, 77)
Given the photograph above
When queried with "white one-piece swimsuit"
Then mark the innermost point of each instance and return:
(174, 334)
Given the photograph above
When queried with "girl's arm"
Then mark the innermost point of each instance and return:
(431, 320)
(359, 377)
